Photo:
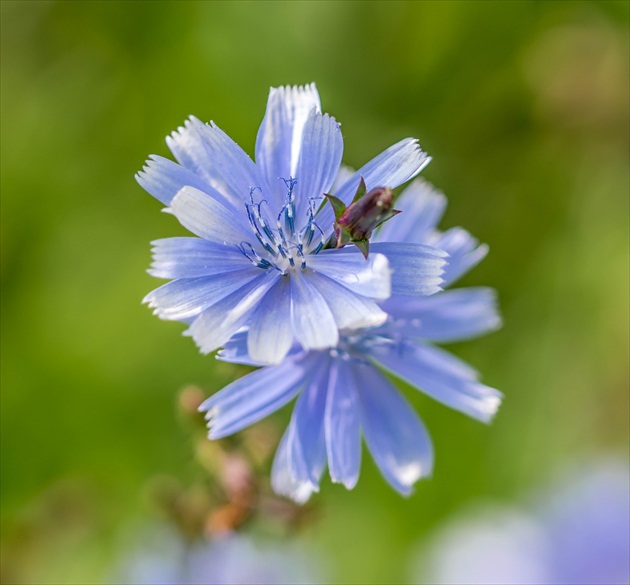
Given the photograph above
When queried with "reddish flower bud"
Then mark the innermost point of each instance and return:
(361, 217)
(355, 223)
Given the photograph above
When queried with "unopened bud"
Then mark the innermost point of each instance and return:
(354, 224)
(361, 217)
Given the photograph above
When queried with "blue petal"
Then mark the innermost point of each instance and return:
(251, 398)
(313, 323)
(453, 315)
(207, 218)
(187, 297)
(210, 153)
(393, 432)
(344, 174)
(280, 135)
(351, 311)
(464, 252)
(416, 269)
(224, 318)
(270, 332)
(307, 422)
(393, 167)
(193, 257)
(188, 147)
(283, 481)
(320, 157)
(163, 178)
(443, 378)
(370, 278)
(342, 430)
(422, 208)
(306, 447)
(235, 350)
(233, 164)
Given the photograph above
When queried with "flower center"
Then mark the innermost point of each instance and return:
(284, 245)
(356, 347)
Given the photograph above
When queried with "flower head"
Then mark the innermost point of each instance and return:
(232, 560)
(259, 261)
(575, 532)
(342, 393)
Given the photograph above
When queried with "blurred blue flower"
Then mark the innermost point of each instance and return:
(576, 533)
(231, 560)
(341, 391)
(260, 260)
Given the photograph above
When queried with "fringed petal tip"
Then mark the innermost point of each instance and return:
(307, 92)
(191, 124)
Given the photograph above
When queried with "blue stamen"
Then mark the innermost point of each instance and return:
(288, 208)
(284, 243)
(248, 251)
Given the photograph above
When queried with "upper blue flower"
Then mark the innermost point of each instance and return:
(259, 260)
(342, 392)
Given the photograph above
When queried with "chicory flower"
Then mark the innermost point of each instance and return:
(259, 260)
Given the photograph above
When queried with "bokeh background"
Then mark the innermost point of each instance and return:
(523, 106)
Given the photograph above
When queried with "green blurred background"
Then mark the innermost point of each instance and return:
(524, 108)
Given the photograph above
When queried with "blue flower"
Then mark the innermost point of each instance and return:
(260, 260)
(576, 531)
(341, 392)
(230, 560)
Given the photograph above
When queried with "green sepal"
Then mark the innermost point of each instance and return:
(344, 236)
(391, 213)
(337, 204)
(361, 191)
(364, 246)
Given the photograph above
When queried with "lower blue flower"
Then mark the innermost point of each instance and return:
(343, 394)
